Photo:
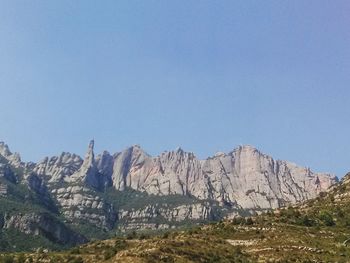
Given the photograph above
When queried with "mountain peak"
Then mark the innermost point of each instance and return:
(179, 149)
(91, 144)
(4, 149)
(89, 156)
(247, 147)
(88, 170)
(13, 158)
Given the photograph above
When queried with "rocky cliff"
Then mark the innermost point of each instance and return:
(43, 224)
(244, 177)
(133, 190)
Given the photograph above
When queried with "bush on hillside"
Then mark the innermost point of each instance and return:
(326, 218)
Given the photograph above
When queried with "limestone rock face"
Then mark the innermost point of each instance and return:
(133, 190)
(7, 173)
(43, 224)
(255, 180)
(135, 159)
(245, 177)
(175, 172)
(104, 164)
(58, 167)
(82, 204)
(38, 186)
(176, 185)
(13, 158)
(89, 172)
(144, 217)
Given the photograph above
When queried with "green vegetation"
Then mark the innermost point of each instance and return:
(13, 240)
(7, 259)
(90, 231)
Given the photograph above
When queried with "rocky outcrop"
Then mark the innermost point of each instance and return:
(7, 173)
(45, 225)
(132, 189)
(256, 181)
(39, 188)
(13, 158)
(56, 168)
(104, 164)
(245, 177)
(89, 172)
(81, 204)
(175, 172)
(166, 216)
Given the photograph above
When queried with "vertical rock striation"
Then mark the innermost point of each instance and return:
(244, 178)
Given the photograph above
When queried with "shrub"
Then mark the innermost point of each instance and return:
(249, 221)
(237, 220)
(165, 235)
(131, 235)
(109, 253)
(7, 259)
(339, 212)
(120, 245)
(75, 251)
(305, 221)
(143, 236)
(77, 260)
(21, 258)
(326, 218)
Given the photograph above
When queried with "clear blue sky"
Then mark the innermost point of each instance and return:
(203, 75)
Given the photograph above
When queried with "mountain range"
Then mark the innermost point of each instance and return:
(66, 200)
(316, 230)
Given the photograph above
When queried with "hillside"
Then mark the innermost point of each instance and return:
(316, 231)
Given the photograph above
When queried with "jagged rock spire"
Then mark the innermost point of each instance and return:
(4, 149)
(90, 156)
(88, 171)
(13, 158)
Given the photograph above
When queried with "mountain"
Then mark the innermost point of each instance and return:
(67, 200)
(316, 230)
(245, 177)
